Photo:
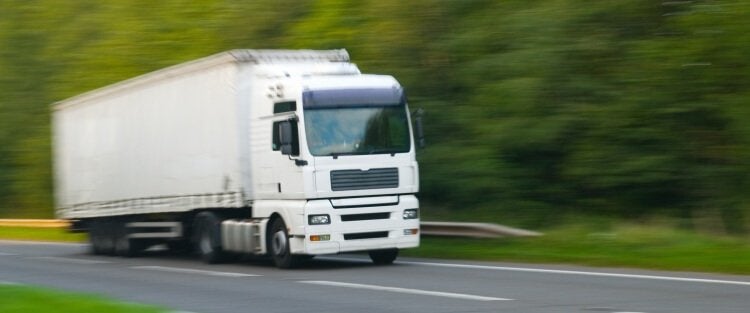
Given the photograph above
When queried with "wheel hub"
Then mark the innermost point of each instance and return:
(279, 243)
(206, 243)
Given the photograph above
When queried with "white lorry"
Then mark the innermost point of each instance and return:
(287, 153)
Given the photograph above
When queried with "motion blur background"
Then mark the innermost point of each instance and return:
(538, 112)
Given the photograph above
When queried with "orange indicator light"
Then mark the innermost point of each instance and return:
(320, 237)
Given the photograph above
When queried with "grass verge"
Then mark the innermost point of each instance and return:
(622, 246)
(40, 234)
(24, 299)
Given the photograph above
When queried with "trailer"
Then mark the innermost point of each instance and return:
(284, 153)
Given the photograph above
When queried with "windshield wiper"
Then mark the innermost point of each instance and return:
(392, 152)
(335, 155)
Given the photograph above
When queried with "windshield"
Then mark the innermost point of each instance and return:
(333, 131)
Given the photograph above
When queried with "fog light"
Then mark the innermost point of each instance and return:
(410, 214)
(412, 231)
(319, 219)
(320, 237)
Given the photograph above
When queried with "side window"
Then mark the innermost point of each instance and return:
(281, 107)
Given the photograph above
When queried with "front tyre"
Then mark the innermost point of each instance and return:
(278, 243)
(383, 257)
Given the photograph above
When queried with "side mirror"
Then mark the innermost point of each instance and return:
(418, 130)
(285, 137)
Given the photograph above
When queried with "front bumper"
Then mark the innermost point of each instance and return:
(361, 224)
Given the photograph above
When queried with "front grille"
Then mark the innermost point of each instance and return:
(365, 217)
(375, 178)
(355, 236)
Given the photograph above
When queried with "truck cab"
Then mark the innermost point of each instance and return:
(339, 167)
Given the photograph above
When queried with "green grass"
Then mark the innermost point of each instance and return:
(40, 234)
(633, 246)
(24, 299)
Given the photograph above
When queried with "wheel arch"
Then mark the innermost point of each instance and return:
(289, 211)
(274, 216)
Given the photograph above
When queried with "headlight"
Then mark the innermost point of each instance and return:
(318, 219)
(410, 214)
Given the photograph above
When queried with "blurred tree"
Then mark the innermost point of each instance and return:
(24, 138)
(535, 109)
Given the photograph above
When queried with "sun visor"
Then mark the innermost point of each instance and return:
(330, 98)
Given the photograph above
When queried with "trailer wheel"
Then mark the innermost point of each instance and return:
(383, 257)
(207, 238)
(278, 242)
(95, 240)
(101, 237)
(125, 246)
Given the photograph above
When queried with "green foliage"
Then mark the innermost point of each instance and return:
(22, 299)
(535, 109)
(619, 245)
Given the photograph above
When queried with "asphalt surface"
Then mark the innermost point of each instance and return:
(350, 283)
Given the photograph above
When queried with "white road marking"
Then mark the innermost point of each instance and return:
(8, 283)
(583, 273)
(69, 260)
(7, 254)
(193, 271)
(404, 290)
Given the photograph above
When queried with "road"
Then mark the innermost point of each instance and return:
(350, 283)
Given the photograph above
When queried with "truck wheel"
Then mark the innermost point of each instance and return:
(207, 238)
(278, 243)
(383, 257)
(101, 237)
(125, 246)
(95, 240)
